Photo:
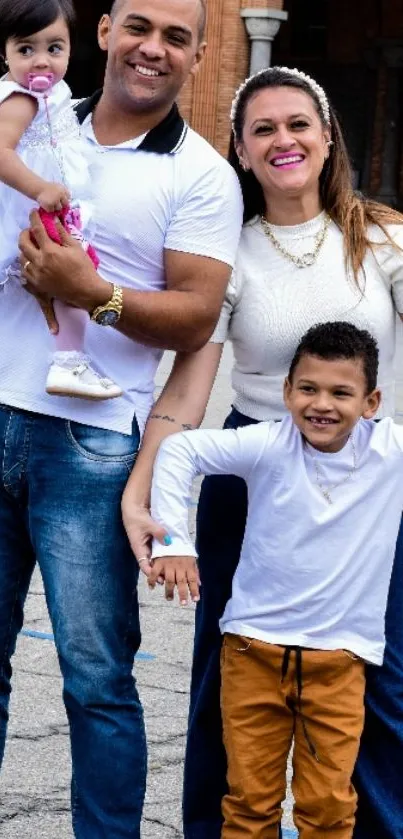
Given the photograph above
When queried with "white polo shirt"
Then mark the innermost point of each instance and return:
(166, 190)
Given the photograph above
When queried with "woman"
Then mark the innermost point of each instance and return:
(311, 251)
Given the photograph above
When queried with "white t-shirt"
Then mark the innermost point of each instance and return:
(271, 303)
(170, 191)
(311, 573)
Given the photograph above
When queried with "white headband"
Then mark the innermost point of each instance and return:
(315, 87)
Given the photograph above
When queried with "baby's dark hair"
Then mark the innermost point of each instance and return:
(22, 18)
(339, 339)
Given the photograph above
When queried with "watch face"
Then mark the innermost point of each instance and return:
(109, 318)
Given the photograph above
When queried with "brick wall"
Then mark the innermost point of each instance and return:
(206, 100)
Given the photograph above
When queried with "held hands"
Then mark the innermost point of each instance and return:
(141, 529)
(53, 197)
(179, 571)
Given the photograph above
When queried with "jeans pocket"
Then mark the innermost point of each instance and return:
(237, 643)
(103, 445)
(351, 655)
(349, 659)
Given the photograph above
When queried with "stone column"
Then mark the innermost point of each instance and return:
(262, 26)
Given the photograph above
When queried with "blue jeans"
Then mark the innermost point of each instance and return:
(60, 491)
(220, 529)
(379, 771)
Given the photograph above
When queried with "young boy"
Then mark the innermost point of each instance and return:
(309, 596)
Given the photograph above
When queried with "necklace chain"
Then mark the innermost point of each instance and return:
(306, 259)
(58, 154)
(319, 474)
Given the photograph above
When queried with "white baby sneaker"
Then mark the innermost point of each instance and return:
(71, 374)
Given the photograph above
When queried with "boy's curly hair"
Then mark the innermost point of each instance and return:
(339, 339)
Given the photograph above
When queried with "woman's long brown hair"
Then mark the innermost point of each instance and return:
(351, 211)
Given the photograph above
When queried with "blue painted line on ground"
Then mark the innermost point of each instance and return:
(32, 633)
(47, 636)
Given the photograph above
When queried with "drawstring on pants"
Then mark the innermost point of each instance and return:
(298, 673)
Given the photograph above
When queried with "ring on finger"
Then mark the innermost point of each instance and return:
(26, 265)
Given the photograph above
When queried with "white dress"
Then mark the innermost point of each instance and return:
(51, 148)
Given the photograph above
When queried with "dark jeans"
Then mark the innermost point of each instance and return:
(379, 771)
(379, 776)
(60, 490)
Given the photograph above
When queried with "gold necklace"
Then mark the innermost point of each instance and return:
(307, 259)
(318, 470)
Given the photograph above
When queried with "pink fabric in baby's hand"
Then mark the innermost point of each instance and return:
(69, 218)
(48, 221)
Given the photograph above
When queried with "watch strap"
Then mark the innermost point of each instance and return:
(115, 304)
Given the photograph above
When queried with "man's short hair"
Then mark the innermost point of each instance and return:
(340, 340)
(202, 20)
(115, 7)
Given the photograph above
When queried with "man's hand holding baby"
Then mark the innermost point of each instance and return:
(65, 271)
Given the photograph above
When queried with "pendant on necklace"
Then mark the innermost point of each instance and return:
(308, 259)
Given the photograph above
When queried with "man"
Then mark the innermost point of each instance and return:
(167, 221)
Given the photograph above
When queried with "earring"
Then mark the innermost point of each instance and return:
(244, 165)
(329, 144)
(6, 63)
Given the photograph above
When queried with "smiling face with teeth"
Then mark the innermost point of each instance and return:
(326, 398)
(285, 144)
(152, 46)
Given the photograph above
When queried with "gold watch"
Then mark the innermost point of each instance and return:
(110, 312)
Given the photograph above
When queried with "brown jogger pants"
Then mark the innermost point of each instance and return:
(263, 710)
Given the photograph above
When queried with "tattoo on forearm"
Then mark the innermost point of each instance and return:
(185, 425)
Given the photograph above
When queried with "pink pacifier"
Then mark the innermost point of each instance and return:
(40, 82)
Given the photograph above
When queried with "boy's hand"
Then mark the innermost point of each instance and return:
(179, 571)
(53, 197)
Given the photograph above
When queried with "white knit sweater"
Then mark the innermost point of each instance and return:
(270, 304)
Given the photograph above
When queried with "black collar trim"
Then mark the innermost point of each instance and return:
(166, 138)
